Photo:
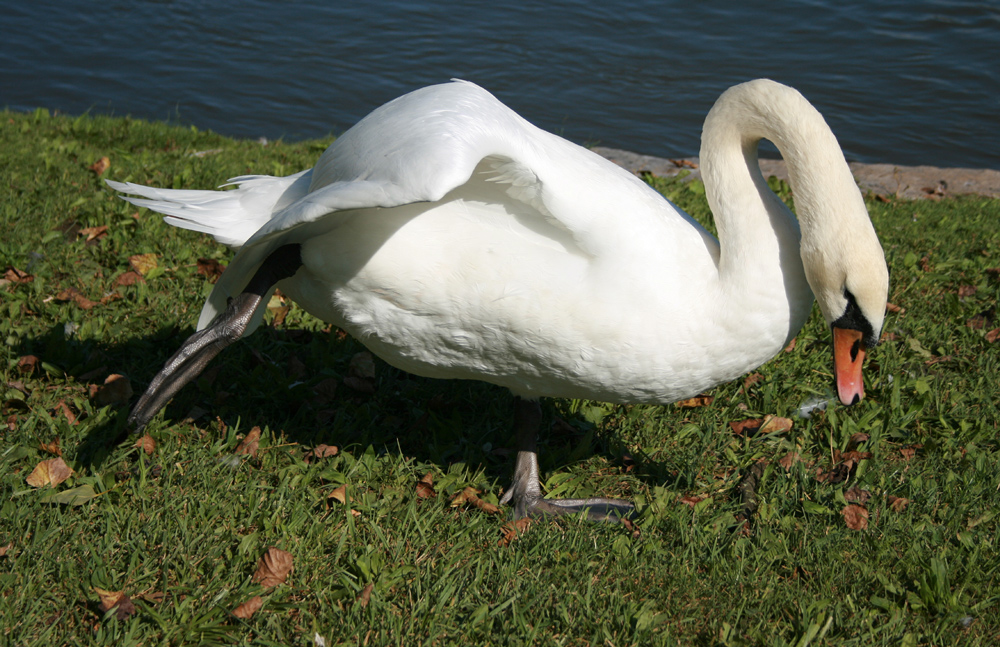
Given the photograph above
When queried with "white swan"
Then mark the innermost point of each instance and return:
(456, 240)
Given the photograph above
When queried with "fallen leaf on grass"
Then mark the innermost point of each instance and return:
(248, 608)
(64, 409)
(273, 568)
(94, 233)
(143, 263)
(51, 448)
(339, 494)
(249, 445)
(28, 364)
(908, 452)
(14, 275)
(695, 402)
(5, 549)
(72, 294)
(693, 500)
(118, 601)
(513, 530)
(320, 451)
(366, 595)
(126, 279)
(470, 496)
(855, 516)
(116, 391)
(425, 487)
(789, 459)
(210, 268)
(100, 165)
(897, 503)
(146, 444)
(49, 472)
(857, 495)
(993, 335)
(892, 307)
(766, 425)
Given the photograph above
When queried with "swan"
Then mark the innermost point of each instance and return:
(454, 239)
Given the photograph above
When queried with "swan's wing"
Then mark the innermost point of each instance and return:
(423, 145)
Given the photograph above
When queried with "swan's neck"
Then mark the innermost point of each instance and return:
(760, 265)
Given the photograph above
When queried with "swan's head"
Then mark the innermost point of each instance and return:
(850, 279)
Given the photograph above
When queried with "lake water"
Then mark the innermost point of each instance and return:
(900, 81)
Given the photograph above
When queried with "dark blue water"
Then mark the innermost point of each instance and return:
(901, 81)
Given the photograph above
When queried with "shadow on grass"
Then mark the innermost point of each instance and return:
(302, 386)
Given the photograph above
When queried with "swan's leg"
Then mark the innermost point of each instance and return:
(526, 491)
(199, 349)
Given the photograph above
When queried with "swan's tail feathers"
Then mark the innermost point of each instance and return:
(231, 217)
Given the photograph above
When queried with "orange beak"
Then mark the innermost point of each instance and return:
(848, 356)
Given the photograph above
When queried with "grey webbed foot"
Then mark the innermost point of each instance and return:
(525, 493)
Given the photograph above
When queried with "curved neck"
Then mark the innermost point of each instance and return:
(759, 237)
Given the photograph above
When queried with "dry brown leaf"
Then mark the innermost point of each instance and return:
(632, 528)
(118, 601)
(470, 496)
(897, 503)
(751, 379)
(128, 278)
(693, 500)
(95, 233)
(855, 516)
(512, 530)
(321, 451)
(366, 595)
(143, 263)
(250, 444)
(993, 335)
(4, 549)
(856, 439)
(100, 165)
(210, 268)
(695, 402)
(28, 364)
(64, 409)
(248, 608)
(425, 487)
(14, 275)
(966, 290)
(892, 307)
(339, 494)
(791, 345)
(72, 294)
(789, 459)
(775, 424)
(908, 452)
(746, 427)
(146, 444)
(51, 448)
(49, 472)
(116, 391)
(857, 495)
(273, 568)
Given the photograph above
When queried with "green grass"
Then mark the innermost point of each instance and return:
(180, 531)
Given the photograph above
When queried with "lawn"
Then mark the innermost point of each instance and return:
(874, 525)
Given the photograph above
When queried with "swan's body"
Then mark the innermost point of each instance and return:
(456, 240)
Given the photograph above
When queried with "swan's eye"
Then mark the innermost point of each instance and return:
(854, 319)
